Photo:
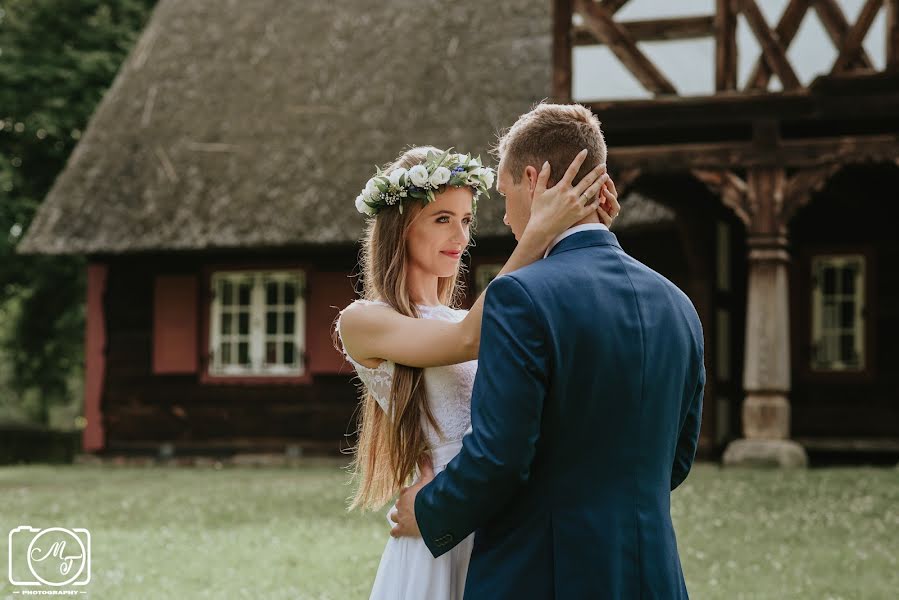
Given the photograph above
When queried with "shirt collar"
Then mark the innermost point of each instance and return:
(573, 230)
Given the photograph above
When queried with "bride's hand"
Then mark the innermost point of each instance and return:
(556, 209)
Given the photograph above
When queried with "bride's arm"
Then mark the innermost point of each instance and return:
(379, 332)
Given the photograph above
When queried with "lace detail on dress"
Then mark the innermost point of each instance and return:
(448, 387)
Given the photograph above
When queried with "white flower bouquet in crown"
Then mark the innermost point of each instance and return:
(423, 182)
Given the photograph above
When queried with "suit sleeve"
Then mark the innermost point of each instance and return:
(506, 411)
(689, 433)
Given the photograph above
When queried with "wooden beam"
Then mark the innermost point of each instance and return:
(725, 46)
(613, 6)
(853, 40)
(772, 49)
(804, 153)
(561, 86)
(801, 186)
(731, 189)
(843, 99)
(892, 34)
(834, 21)
(600, 22)
(785, 31)
(655, 30)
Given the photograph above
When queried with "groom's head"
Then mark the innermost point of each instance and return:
(550, 132)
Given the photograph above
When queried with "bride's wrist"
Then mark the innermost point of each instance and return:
(538, 233)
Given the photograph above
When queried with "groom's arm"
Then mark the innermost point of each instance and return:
(689, 434)
(506, 410)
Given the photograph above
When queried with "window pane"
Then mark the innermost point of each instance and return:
(847, 313)
(847, 348)
(288, 353)
(830, 280)
(271, 353)
(227, 292)
(849, 279)
(271, 292)
(288, 322)
(244, 295)
(290, 291)
(830, 314)
(243, 353)
(243, 323)
(271, 323)
(226, 323)
(226, 353)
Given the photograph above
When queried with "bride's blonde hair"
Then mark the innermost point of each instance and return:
(387, 450)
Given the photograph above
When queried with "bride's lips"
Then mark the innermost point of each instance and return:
(451, 254)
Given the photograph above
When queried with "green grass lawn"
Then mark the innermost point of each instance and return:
(283, 533)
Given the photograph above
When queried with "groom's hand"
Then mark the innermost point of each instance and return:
(404, 515)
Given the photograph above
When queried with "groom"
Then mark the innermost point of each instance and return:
(585, 410)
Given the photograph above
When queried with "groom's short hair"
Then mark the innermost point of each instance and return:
(553, 132)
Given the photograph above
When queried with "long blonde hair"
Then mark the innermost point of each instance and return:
(388, 449)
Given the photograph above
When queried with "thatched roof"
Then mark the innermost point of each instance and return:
(235, 125)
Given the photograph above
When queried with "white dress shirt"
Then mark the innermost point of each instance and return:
(573, 230)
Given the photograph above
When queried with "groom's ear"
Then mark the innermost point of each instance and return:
(531, 175)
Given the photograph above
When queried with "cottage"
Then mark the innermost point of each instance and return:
(212, 193)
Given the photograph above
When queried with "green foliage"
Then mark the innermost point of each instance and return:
(57, 58)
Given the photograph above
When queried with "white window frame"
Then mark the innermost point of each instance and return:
(483, 275)
(830, 333)
(258, 335)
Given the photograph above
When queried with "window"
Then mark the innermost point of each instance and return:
(483, 275)
(257, 323)
(838, 312)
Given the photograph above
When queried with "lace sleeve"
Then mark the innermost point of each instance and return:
(378, 380)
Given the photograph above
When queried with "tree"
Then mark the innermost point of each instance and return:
(57, 58)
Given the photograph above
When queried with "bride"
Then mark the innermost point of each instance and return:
(413, 351)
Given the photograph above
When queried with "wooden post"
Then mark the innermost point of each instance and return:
(892, 34)
(766, 370)
(562, 51)
(725, 46)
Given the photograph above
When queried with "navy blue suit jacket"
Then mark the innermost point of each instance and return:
(585, 414)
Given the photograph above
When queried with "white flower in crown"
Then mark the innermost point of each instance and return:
(362, 207)
(395, 176)
(422, 182)
(440, 176)
(489, 178)
(419, 175)
(371, 191)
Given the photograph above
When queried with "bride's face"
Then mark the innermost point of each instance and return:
(439, 234)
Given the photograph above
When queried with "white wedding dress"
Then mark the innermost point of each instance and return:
(407, 570)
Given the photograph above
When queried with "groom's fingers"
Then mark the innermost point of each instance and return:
(574, 167)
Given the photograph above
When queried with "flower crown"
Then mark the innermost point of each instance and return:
(422, 182)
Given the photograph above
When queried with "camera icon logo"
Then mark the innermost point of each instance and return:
(54, 556)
